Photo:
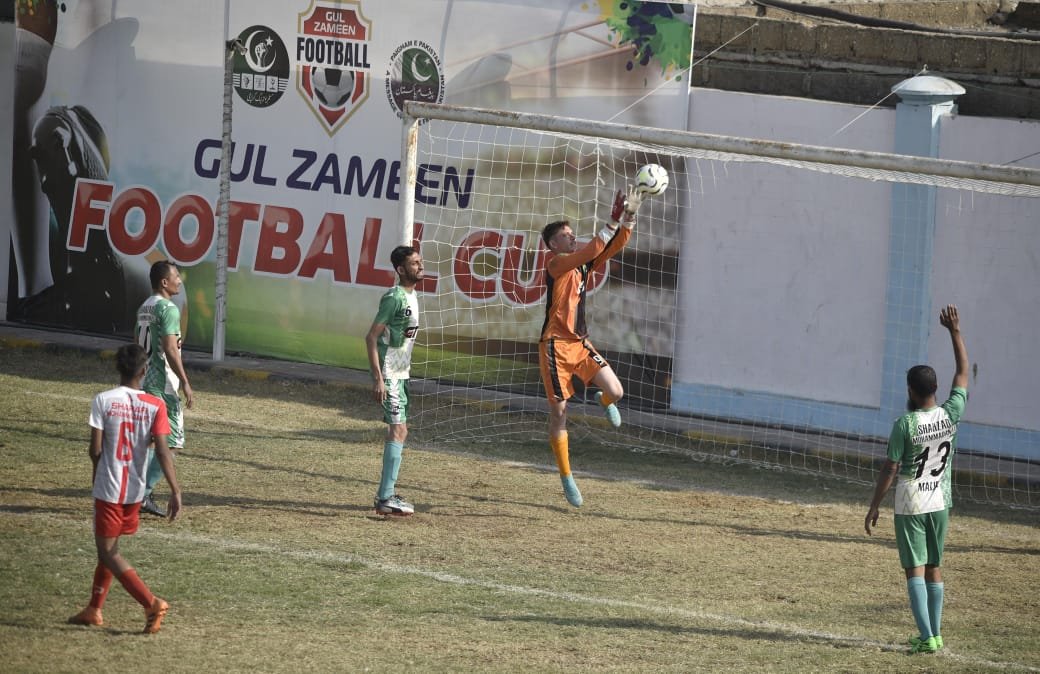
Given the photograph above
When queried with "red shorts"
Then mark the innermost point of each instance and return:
(112, 520)
(561, 359)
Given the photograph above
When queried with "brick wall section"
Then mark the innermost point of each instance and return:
(876, 46)
(1004, 73)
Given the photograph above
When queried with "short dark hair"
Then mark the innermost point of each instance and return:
(549, 231)
(922, 380)
(159, 271)
(130, 358)
(400, 254)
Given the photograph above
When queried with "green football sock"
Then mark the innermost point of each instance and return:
(915, 587)
(391, 465)
(935, 606)
(153, 475)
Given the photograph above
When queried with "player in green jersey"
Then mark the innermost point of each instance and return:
(920, 463)
(390, 341)
(159, 333)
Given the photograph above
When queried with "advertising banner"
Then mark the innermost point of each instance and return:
(117, 145)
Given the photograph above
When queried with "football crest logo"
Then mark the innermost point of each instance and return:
(414, 74)
(333, 73)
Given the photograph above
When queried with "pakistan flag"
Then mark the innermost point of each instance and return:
(415, 76)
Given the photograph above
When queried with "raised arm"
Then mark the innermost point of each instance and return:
(565, 262)
(608, 241)
(950, 320)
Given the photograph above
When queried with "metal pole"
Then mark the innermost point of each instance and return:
(409, 170)
(224, 201)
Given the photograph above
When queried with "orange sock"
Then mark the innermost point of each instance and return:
(102, 581)
(606, 400)
(558, 443)
(137, 589)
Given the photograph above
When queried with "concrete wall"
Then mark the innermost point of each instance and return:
(987, 255)
(855, 64)
(784, 279)
(770, 251)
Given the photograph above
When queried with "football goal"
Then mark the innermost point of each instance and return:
(765, 311)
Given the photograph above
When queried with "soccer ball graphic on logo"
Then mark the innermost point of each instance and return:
(652, 179)
(333, 88)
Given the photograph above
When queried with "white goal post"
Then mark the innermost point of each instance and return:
(504, 175)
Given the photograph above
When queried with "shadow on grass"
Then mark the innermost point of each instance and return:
(749, 633)
(191, 499)
(69, 366)
(295, 507)
(11, 426)
(25, 509)
(271, 468)
(334, 435)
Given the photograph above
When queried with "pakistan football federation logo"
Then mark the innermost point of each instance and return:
(260, 74)
(414, 75)
(333, 72)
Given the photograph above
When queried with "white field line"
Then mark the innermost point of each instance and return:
(324, 556)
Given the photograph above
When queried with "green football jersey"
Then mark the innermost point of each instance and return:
(158, 317)
(923, 443)
(399, 312)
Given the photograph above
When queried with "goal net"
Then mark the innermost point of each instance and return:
(747, 320)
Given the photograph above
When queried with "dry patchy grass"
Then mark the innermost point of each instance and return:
(279, 565)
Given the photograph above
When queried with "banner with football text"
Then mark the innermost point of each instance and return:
(117, 145)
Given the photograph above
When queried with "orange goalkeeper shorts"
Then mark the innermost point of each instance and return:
(562, 359)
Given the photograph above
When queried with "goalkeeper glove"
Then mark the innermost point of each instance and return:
(625, 206)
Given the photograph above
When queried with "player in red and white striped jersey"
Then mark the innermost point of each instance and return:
(123, 422)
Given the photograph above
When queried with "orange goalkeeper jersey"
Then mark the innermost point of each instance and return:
(566, 278)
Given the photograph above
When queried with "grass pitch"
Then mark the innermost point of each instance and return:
(278, 563)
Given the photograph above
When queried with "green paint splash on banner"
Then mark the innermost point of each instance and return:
(657, 31)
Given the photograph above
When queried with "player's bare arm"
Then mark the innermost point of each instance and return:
(95, 451)
(371, 343)
(884, 483)
(173, 356)
(950, 319)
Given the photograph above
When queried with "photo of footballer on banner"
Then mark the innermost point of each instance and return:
(88, 287)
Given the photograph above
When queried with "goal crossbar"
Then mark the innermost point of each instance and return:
(747, 149)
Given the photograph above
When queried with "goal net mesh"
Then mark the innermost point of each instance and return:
(685, 317)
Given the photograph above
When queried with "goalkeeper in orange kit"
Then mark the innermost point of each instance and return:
(564, 350)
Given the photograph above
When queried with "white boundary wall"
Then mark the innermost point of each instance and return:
(763, 273)
(794, 280)
(987, 251)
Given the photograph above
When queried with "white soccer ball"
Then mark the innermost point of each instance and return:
(332, 87)
(652, 179)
